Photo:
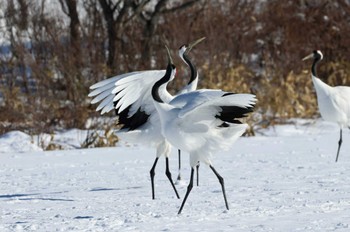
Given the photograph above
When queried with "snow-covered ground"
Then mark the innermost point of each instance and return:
(283, 180)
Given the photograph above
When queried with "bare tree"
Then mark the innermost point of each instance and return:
(114, 13)
(69, 7)
(151, 20)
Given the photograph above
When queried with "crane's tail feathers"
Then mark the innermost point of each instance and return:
(233, 113)
(235, 106)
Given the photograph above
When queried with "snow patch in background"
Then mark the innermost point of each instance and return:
(17, 141)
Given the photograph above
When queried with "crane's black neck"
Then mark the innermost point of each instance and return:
(313, 67)
(165, 79)
(192, 67)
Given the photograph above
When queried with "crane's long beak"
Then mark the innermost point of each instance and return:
(308, 56)
(170, 60)
(194, 43)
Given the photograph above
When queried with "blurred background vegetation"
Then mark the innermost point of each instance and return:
(52, 51)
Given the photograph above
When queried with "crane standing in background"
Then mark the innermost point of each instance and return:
(333, 102)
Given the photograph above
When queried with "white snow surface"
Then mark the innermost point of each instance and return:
(17, 141)
(284, 179)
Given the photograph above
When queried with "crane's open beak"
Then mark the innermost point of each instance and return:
(308, 57)
(170, 60)
(194, 43)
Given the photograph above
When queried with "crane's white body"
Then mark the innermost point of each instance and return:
(333, 102)
(194, 128)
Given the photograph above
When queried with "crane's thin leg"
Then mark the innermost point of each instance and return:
(152, 173)
(168, 174)
(221, 180)
(339, 144)
(189, 188)
(179, 155)
(197, 168)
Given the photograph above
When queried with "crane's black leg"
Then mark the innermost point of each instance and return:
(179, 155)
(168, 174)
(197, 168)
(189, 188)
(339, 144)
(152, 173)
(221, 180)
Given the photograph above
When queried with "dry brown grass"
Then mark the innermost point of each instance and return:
(95, 139)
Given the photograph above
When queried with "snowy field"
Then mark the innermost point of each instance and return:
(284, 179)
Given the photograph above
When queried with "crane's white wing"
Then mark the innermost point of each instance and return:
(200, 99)
(206, 108)
(213, 110)
(195, 98)
(136, 92)
(124, 90)
(102, 92)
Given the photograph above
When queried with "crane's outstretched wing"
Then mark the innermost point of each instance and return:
(136, 91)
(130, 95)
(200, 99)
(134, 102)
(121, 91)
